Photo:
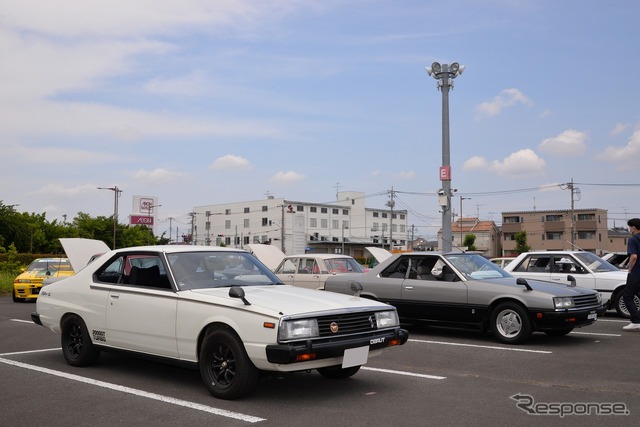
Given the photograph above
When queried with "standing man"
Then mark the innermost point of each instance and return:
(632, 287)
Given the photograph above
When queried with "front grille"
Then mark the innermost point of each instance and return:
(584, 301)
(352, 323)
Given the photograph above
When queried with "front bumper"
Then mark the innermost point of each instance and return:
(333, 347)
(26, 290)
(550, 320)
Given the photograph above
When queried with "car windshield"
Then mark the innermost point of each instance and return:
(51, 265)
(475, 267)
(197, 270)
(343, 265)
(595, 263)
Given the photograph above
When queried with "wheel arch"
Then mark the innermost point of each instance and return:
(211, 327)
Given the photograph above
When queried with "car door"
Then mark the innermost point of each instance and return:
(287, 269)
(141, 317)
(308, 274)
(565, 265)
(427, 296)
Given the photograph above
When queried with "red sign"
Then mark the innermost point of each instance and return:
(141, 220)
(445, 173)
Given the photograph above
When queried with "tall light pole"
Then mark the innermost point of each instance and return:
(116, 194)
(149, 228)
(445, 74)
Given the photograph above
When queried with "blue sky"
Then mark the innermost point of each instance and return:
(206, 102)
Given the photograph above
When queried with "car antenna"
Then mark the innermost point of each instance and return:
(574, 245)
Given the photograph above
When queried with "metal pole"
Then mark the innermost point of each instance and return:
(446, 160)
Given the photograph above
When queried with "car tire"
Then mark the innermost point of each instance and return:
(510, 323)
(225, 367)
(77, 348)
(337, 372)
(620, 306)
(559, 332)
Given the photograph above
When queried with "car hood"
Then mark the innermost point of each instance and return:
(553, 288)
(279, 300)
(270, 256)
(619, 276)
(378, 253)
(79, 251)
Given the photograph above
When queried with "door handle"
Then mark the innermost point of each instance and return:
(114, 296)
(408, 288)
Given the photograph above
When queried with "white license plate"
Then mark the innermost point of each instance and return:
(355, 356)
(593, 316)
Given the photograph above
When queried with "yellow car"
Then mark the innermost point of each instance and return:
(28, 284)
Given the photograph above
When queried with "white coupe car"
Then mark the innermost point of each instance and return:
(217, 308)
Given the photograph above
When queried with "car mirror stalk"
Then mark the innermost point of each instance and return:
(238, 292)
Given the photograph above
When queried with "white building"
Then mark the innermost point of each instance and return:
(346, 226)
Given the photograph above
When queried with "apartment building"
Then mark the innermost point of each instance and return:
(346, 226)
(553, 229)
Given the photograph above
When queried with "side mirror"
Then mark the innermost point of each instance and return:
(238, 292)
(572, 280)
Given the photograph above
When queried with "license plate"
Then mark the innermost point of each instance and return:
(355, 356)
(592, 316)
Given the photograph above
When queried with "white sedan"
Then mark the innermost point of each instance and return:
(587, 269)
(217, 308)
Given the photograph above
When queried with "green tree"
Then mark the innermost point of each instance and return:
(521, 242)
(469, 242)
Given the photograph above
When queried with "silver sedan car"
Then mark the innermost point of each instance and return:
(462, 289)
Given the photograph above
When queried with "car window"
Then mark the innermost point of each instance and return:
(475, 267)
(535, 264)
(566, 265)
(343, 265)
(288, 266)
(398, 269)
(197, 270)
(308, 266)
(594, 262)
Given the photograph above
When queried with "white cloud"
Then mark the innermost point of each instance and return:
(158, 175)
(627, 156)
(230, 162)
(64, 192)
(406, 175)
(521, 163)
(618, 128)
(290, 177)
(59, 156)
(475, 163)
(506, 98)
(568, 143)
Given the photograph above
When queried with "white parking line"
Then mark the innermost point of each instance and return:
(409, 374)
(136, 392)
(22, 321)
(490, 347)
(597, 334)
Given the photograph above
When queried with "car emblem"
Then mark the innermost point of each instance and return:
(372, 321)
(334, 327)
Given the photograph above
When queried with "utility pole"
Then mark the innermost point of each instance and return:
(574, 192)
(391, 203)
(193, 224)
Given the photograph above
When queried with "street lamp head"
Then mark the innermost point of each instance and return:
(436, 67)
(454, 67)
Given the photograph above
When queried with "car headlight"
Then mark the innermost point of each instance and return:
(563, 302)
(386, 319)
(298, 329)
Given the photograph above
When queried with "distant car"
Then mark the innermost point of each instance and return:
(463, 289)
(589, 271)
(218, 309)
(617, 259)
(311, 270)
(502, 261)
(26, 287)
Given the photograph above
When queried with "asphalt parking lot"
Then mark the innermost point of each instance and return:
(440, 377)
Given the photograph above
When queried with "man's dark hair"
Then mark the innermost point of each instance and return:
(634, 222)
